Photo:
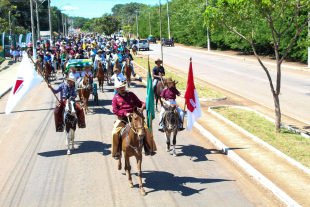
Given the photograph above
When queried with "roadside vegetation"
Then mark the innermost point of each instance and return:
(288, 142)
(203, 92)
(1, 59)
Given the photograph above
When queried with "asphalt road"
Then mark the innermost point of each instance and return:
(243, 77)
(35, 170)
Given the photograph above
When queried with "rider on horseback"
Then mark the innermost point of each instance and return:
(123, 105)
(169, 95)
(158, 72)
(128, 56)
(87, 72)
(66, 90)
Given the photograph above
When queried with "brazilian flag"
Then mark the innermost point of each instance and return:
(150, 108)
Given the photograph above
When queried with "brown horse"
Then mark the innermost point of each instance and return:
(58, 59)
(159, 88)
(47, 70)
(84, 89)
(132, 143)
(127, 71)
(100, 74)
(134, 50)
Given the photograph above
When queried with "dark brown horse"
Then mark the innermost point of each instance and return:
(100, 74)
(134, 50)
(84, 89)
(47, 70)
(127, 71)
(171, 121)
(159, 88)
(132, 143)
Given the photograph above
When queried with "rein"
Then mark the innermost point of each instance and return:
(136, 132)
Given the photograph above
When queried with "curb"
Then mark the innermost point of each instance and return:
(248, 168)
(257, 139)
(141, 79)
(202, 99)
(6, 91)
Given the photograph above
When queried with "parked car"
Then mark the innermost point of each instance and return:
(151, 39)
(143, 44)
(168, 42)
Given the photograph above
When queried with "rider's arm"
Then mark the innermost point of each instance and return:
(116, 110)
(56, 90)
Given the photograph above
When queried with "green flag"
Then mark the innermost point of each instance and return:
(150, 98)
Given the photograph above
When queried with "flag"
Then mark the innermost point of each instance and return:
(150, 98)
(26, 79)
(192, 100)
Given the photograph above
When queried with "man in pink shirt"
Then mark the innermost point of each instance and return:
(123, 105)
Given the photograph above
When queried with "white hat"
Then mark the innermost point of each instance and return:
(119, 85)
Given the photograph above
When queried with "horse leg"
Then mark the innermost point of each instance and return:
(119, 166)
(175, 141)
(128, 169)
(72, 138)
(167, 136)
(139, 162)
(68, 142)
(156, 102)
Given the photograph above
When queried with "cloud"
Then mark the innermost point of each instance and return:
(69, 8)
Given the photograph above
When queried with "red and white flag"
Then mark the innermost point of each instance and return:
(26, 79)
(192, 100)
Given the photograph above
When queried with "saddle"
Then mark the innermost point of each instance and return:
(174, 111)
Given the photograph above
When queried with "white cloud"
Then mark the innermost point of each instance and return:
(69, 8)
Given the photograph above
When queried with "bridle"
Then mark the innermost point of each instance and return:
(169, 117)
(136, 132)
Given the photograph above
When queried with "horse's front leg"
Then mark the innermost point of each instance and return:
(174, 141)
(139, 162)
(68, 141)
(128, 169)
(72, 139)
(167, 136)
(156, 102)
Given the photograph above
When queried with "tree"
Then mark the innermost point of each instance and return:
(107, 24)
(245, 18)
(116, 9)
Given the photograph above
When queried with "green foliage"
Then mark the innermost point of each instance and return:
(106, 24)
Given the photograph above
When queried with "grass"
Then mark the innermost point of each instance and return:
(290, 143)
(203, 92)
(1, 58)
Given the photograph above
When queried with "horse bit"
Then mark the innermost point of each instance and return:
(136, 132)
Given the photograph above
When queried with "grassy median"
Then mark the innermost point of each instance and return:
(203, 92)
(290, 143)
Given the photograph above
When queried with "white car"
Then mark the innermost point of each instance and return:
(143, 44)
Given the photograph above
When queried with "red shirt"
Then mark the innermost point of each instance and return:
(170, 93)
(125, 104)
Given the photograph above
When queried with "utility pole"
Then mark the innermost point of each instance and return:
(58, 21)
(208, 30)
(150, 22)
(63, 25)
(137, 24)
(9, 23)
(161, 43)
(32, 31)
(309, 37)
(168, 19)
(50, 20)
(38, 23)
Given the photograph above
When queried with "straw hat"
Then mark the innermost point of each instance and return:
(71, 79)
(119, 85)
(169, 80)
(47, 53)
(73, 68)
(106, 49)
(158, 60)
(115, 69)
(100, 51)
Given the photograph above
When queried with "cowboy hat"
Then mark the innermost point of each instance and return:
(106, 49)
(119, 85)
(47, 53)
(169, 80)
(158, 60)
(115, 69)
(100, 51)
(71, 79)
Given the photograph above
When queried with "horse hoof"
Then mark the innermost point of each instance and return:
(168, 150)
(72, 148)
(130, 185)
(174, 154)
(143, 193)
(119, 167)
(68, 152)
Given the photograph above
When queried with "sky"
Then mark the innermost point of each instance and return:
(93, 8)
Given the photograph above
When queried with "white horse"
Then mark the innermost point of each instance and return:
(108, 66)
(70, 120)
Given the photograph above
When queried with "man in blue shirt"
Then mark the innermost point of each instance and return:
(128, 56)
(158, 72)
(67, 90)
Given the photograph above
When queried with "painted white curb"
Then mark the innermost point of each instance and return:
(248, 168)
(6, 91)
(141, 79)
(256, 139)
(202, 99)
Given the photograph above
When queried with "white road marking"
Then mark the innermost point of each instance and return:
(24, 108)
(30, 100)
(0, 141)
(18, 116)
(9, 129)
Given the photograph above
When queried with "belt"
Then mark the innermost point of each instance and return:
(170, 100)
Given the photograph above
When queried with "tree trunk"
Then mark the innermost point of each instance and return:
(277, 111)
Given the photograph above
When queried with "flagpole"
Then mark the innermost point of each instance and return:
(190, 60)
(43, 77)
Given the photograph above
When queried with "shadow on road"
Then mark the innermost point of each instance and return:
(80, 147)
(165, 181)
(196, 153)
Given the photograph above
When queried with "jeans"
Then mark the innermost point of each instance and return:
(62, 63)
(133, 72)
(162, 112)
(155, 81)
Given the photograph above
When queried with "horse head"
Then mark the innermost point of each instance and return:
(86, 81)
(70, 107)
(127, 62)
(171, 117)
(99, 64)
(138, 122)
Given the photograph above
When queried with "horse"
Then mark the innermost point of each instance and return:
(108, 66)
(159, 88)
(134, 50)
(64, 72)
(47, 70)
(58, 60)
(100, 74)
(171, 122)
(84, 89)
(70, 120)
(127, 71)
(131, 145)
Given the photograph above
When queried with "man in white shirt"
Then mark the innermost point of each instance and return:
(74, 73)
(118, 78)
